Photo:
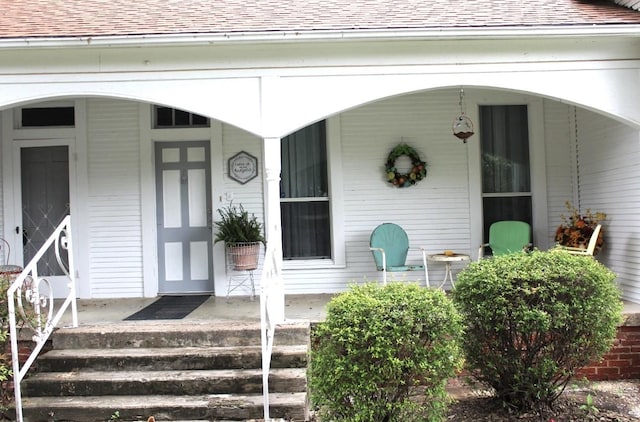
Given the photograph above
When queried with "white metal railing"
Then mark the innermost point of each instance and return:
(36, 292)
(271, 312)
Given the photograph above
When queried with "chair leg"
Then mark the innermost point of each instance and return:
(426, 270)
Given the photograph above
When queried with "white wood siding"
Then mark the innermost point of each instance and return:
(113, 203)
(609, 170)
(249, 195)
(560, 161)
(434, 212)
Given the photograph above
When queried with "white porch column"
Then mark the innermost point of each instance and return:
(273, 229)
(272, 168)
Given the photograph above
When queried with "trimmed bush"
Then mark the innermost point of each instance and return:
(534, 319)
(384, 353)
(6, 389)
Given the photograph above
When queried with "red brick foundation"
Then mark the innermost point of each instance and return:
(623, 360)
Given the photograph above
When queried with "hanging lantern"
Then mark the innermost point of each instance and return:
(462, 125)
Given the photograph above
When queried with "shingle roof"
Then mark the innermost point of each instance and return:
(67, 18)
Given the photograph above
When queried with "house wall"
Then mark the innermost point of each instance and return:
(608, 154)
(561, 169)
(437, 213)
(113, 205)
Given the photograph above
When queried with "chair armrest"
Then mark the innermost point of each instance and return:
(571, 248)
(384, 256)
(423, 250)
(481, 251)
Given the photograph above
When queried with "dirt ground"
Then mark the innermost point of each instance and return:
(607, 401)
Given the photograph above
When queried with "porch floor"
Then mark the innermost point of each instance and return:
(297, 307)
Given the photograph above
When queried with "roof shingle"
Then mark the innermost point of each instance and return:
(93, 18)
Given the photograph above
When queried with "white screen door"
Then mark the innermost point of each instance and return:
(183, 201)
(44, 185)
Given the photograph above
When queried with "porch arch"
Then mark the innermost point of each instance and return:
(270, 106)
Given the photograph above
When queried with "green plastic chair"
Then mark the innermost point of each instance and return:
(507, 237)
(389, 244)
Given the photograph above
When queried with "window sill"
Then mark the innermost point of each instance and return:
(311, 264)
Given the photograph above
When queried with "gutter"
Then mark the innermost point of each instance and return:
(267, 37)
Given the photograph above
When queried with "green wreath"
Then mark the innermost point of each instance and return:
(404, 180)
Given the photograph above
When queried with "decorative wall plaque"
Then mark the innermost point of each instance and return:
(243, 167)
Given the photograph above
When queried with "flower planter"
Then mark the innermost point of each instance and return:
(243, 256)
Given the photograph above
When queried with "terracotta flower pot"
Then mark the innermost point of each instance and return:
(244, 256)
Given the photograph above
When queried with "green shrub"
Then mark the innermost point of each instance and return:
(385, 354)
(533, 319)
(6, 390)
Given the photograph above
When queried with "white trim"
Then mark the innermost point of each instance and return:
(8, 213)
(336, 190)
(217, 194)
(474, 175)
(632, 30)
(538, 163)
(148, 205)
(79, 211)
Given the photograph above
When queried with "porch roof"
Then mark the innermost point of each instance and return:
(101, 18)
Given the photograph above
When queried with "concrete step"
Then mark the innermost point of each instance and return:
(176, 334)
(288, 406)
(171, 358)
(187, 382)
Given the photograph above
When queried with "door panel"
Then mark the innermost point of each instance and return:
(183, 189)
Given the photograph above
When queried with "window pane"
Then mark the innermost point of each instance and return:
(48, 116)
(167, 117)
(306, 230)
(182, 118)
(164, 117)
(306, 227)
(506, 208)
(505, 149)
(199, 120)
(304, 163)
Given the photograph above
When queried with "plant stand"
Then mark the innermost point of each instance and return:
(242, 260)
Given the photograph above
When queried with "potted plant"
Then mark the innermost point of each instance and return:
(242, 234)
(576, 229)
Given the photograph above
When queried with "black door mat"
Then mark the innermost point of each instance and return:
(169, 307)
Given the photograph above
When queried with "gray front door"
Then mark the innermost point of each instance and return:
(45, 200)
(183, 201)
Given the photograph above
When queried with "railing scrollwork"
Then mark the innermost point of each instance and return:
(33, 295)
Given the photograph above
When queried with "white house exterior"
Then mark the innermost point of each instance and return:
(377, 72)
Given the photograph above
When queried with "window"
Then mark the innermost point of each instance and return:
(304, 194)
(166, 117)
(47, 117)
(506, 173)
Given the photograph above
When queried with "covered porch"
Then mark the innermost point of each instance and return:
(311, 307)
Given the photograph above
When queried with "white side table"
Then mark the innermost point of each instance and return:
(448, 259)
